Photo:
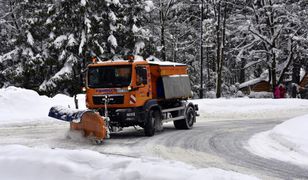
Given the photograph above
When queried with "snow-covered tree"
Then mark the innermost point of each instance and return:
(45, 44)
(271, 29)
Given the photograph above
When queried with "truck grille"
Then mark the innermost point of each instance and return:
(115, 99)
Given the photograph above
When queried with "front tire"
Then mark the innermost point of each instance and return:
(153, 118)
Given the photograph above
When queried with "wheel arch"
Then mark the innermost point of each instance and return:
(152, 105)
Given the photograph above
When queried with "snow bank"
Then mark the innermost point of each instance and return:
(245, 108)
(260, 95)
(45, 163)
(21, 105)
(287, 142)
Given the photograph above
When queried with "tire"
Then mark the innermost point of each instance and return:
(188, 122)
(97, 141)
(149, 128)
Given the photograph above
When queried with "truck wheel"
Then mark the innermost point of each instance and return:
(149, 128)
(189, 120)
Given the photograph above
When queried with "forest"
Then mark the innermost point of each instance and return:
(47, 44)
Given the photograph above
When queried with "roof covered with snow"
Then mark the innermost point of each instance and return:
(264, 77)
(152, 60)
(251, 82)
(302, 74)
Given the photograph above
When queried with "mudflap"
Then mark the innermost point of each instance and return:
(89, 122)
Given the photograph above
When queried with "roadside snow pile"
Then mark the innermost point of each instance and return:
(287, 142)
(245, 108)
(259, 95)
(22, 105)
(44, 163)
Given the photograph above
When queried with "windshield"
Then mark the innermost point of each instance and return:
(109, 76)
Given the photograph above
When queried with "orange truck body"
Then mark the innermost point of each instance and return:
(142, 93)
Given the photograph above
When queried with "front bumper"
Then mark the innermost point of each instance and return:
(126, 117)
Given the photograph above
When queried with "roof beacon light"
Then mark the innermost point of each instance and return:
(130, 58)
(94, 60)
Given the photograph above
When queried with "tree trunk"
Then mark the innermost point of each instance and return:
(295, 76)
(207, 48)
(272, 30)
(218, 53)
(273, 71)
(162, 33)
(208, 64)
(220, 47)
(201, 51)
(242, 71)
(162, 43)
(282, 75)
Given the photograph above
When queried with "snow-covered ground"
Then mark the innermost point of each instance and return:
(20, 162)
(24, 106)
(248, 109)
(286, 142)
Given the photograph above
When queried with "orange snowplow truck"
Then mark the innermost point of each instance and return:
(141, 93)
(132, 92)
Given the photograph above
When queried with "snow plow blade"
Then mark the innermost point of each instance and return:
(89, 122)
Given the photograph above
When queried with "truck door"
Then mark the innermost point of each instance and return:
(143, 83)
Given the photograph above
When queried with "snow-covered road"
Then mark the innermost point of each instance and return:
(217, 144)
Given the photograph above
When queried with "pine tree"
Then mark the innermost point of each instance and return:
(81, 30)
(45, 45)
